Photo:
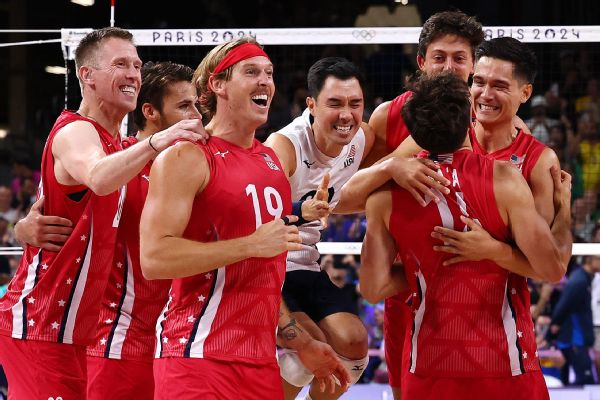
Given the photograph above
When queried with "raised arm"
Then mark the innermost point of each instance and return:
(178, 175)
(378, 278)
(80, 158)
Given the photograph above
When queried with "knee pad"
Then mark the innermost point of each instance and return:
(292, 369)
(354, 367)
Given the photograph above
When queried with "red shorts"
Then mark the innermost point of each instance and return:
(43, 370)
(119, 379)
(529, 386)
(397, 322)
(199, 378)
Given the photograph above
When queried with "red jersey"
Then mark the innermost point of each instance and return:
(131, 304)
(396, 130)
(471, 319)
(524, 152)
(230, 313)
(56, 296)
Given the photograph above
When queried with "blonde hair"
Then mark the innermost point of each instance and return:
(208, 99)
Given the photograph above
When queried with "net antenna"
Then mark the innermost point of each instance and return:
(112, 13)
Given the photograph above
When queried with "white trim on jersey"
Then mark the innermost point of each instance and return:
(17, 308)
(204, 326)
(159, 330)
(79, 288)
(510, 328)
(418, 321)
(124, 313)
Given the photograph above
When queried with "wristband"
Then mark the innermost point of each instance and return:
(150, 143)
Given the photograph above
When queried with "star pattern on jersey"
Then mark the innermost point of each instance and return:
(191, 319)
(118, 286)
(108, 321)
(84, 217)
(44, 266)
(61, 303)
(31, 300)
(83, 237)
(31, 322)
(119, 264)
(513, 291)
(525, 356)
(201, 298)
(69, 281)
(182, 340)
(55, 325)
(112, 305)
(165, 340)
(208, 275)
(103, 342)
(536, 354)
(520, 334)
(78, 260)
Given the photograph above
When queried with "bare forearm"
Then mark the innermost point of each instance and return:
(174, 257)
(512, 259)
(356, 191)
(290, 333)
(375, 285)
(561, 230)
(115, 170)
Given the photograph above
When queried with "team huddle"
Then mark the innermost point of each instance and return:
(181, 263)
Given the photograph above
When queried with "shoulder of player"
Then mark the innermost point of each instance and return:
(182, 153)
(378, 120)
(284, 149)
(509, 183)
(76, 130)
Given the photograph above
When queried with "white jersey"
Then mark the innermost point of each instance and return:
(311, 166)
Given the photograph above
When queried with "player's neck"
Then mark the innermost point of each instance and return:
(325, 146)
(231, 130)
(109, 120)
(495, 137)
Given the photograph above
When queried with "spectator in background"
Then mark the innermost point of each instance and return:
(572, 321)
(7, 212)
(539, 123)
(591, 101)
(23, 169)
(375, 330)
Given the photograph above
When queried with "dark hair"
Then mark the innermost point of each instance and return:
(85, 51)
(156, 78)
(450, 23)
(337, 67)
(510, 49)
(438, 112)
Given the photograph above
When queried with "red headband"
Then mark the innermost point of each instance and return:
(239, 53)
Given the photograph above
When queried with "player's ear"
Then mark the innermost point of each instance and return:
(526, 91)
(150, 113)
(310, 103)
(420, 62)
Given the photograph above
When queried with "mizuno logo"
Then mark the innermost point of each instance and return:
(222, 154)
(308, 164)
(359, 367)
(146, 177)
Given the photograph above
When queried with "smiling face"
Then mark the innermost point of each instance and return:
(448, 53)
(337, 113)
(250, 90)
(496, 93)
(115, 75)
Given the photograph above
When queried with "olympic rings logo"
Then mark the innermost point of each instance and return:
(363, 34)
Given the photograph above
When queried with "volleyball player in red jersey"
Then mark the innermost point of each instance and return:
(447, 43)
(120, 358)
(504, 73)
(472, 334)
(50, 311)
(224, 244)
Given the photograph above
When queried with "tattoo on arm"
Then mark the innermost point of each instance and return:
(291, 330)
